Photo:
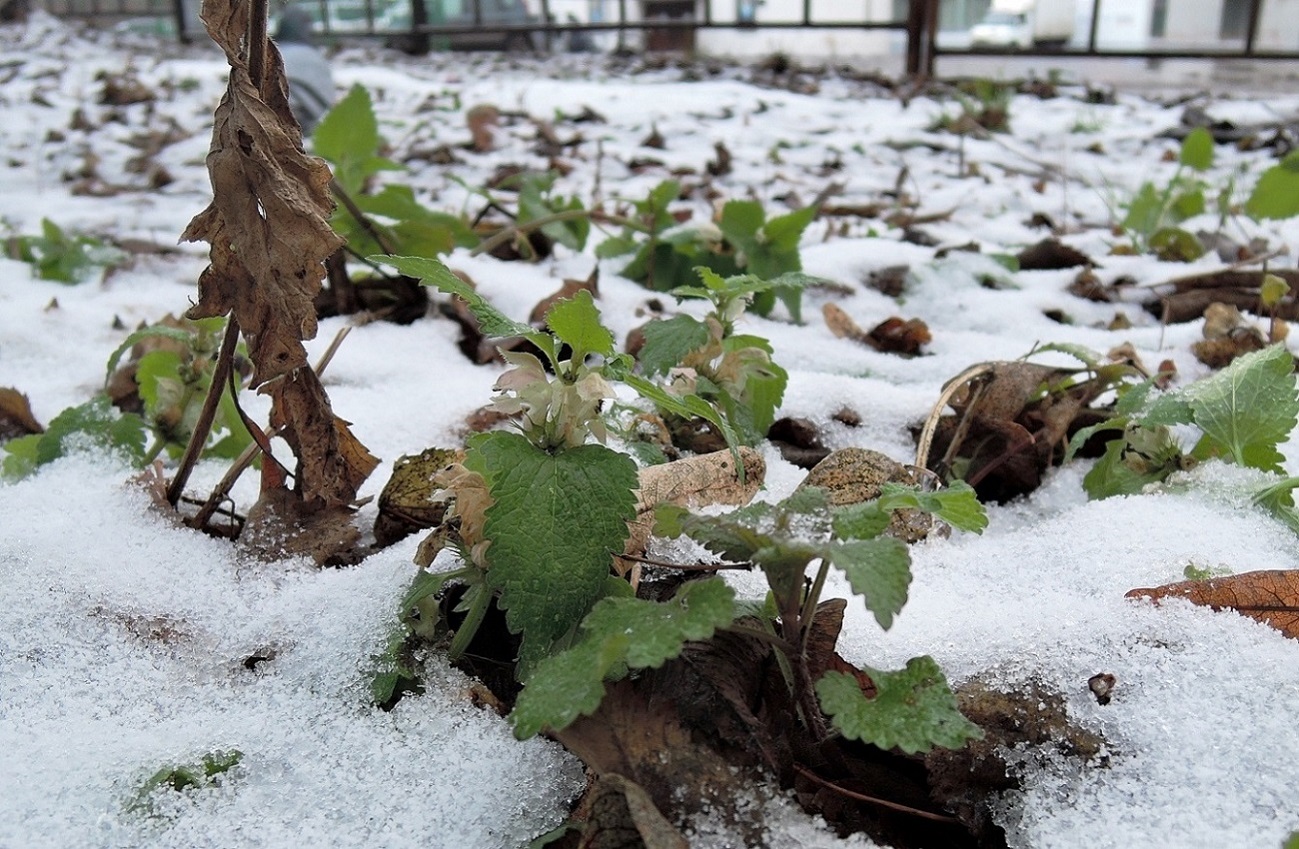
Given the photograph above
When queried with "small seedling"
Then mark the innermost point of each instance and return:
(61, 256)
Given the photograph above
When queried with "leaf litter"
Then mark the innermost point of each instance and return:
(1156, 650)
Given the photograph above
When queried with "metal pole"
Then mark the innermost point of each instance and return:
(547, 20)
(1095, 26)
(807, 13)
(931, 36)
(1252, 32)
(915, 33)
(182, 26)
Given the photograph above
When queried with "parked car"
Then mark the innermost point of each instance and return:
(460, 13)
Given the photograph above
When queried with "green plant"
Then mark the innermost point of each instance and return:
(733, 372)
(170, 379)
(1242, 412)
(742, 240)
(985, 107)
(913, 709)
(1276, 194)
(541, 510)
(61, 256)
(1154, 214)
(183, 777)
(390, 220)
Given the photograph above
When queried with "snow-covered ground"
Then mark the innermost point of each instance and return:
(123, 638)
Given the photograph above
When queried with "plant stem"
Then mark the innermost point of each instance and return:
(761, 636)
(361, 218)
(810, 602)
(497, 239)
(203, 426)
(870, 800)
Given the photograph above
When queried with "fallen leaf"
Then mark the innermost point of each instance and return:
(1270, 596)
(406, 504)
(693, 481)
(623, 816)
(483, 121)
(16, 417)
(1050, 254)
(898, 336)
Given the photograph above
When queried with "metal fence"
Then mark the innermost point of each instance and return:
(420, 25)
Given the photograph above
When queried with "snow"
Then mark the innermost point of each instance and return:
(124, 637)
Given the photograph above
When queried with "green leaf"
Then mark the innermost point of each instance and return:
(1197, 150)
(1272, 290)
(1276, 194)
(1173, 244)
(576, 321)
(865, 520)
(96, 422)
(1144, 211)
(432, 272)
(157, 331)
(784, 231)
(555, 522)
(158, 377)
(667, 342)
(1291, 842)
(957, 504)
(913, 709)
(619, 632)
(1113, 476)
(348, 136)
(879, 570)
(1249, 407)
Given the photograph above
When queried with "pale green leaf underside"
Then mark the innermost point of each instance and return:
(1249, 407)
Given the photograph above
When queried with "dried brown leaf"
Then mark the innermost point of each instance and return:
(1270, 596)
(693, 481)
(16, 417)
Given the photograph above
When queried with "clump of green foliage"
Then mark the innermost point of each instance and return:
(984, 107)
(61, 256)
(184, 777)
(1155, 214)
(913, 709)
(1242, 413)
(743, 240)
(172, 379)
(348, 137)
(733, 372)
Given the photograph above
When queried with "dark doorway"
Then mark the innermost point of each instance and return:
(677, 38)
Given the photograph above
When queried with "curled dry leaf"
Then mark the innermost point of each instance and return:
(693, 481)
(892, 336)
(16, 417)
(269, 234)
(1270, 596)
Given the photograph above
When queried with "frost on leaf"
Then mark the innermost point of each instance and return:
(1269, 596)
(268, 227)
(913, 709)
(619, 631)
(556, 521)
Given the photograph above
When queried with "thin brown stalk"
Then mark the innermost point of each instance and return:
(871, 800)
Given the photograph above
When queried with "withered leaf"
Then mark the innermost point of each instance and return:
(16, 417)
(268, 221)
(623, 816)
(270, 236)
(693, 481)
(332, 461)
(406, 504)
(897, 336)
(1270, 596)
(1051, 254)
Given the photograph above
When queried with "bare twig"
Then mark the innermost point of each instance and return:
(871, 800)
(361, 218)
(203, 426)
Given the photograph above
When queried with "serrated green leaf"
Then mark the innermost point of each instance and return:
(957, 504)
(1197, 150)
(1086, 356)
(879, 570)
(432, 272)
(1276, 194)
(95, 422)
(619, 631)
(784, 231)
(657, 631)
(1173, 244)
(667, 342)
(1249, 407)
(565, 686)
(913, 709)
(865, 520)
(555, 522)
(576, 321)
